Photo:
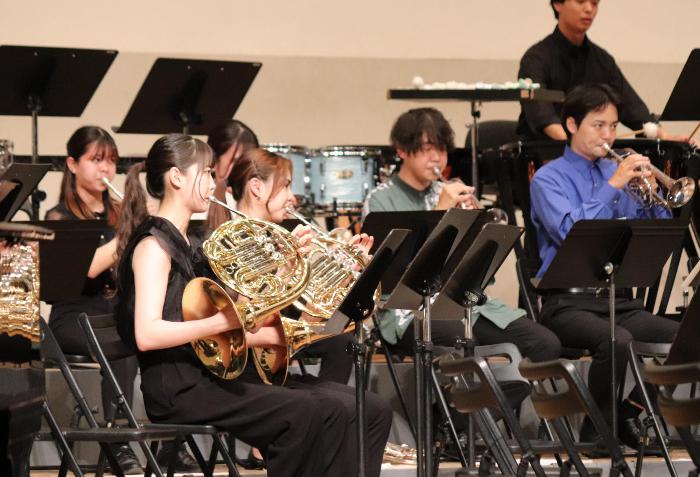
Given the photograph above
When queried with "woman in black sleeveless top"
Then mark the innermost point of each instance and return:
(301, 432)
(92, 154)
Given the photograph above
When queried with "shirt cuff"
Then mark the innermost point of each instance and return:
(609, 195)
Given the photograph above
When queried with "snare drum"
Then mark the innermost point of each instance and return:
(299, 155)
(343, 175)
(5, 154)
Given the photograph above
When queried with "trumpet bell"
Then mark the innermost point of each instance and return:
(680, 192)
(224, 354)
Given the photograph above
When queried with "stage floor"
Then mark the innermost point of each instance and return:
(653, 467)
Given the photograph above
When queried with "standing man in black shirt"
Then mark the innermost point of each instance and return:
(566, 59)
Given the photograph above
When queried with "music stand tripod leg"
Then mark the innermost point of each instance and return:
(444, 407)
(466, 345)
(610, 271)
(423, 366)
(359, 350)
(377, 336)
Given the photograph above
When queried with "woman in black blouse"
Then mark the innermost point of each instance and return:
(92, 155)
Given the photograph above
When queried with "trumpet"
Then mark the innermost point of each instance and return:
(678, 191)
(117, 193)
(438, 174)
(497, 215)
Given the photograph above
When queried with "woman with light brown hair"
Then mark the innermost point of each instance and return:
(260, 182)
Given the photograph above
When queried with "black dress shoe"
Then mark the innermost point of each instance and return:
(630, 434)
(125, 458)
(251, 462)
(184, 462)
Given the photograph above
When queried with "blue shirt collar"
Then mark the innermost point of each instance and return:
(578, 162)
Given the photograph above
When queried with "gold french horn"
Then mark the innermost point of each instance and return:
(335, 267)
(261, 262)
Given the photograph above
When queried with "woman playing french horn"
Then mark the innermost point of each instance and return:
(302, 430)
(261, 186)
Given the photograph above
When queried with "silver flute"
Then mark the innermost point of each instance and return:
(118, 194)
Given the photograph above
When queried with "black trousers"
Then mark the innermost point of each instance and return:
(532, 339)
(304, 429)
(336, 362)
(72, 340)
(582, 321)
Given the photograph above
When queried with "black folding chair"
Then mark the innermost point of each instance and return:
(105, 343)
(570, 397)
(682, 413)
(637, 352)
(482, 391)
(103, 436)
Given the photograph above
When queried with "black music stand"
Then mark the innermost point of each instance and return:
(49, 82)
(188, 96)
(421, 281)
(421, 223)
(613, 253)
(684, 102)
(463, 290)
(356, 306)
(17, 184)
(64, 262)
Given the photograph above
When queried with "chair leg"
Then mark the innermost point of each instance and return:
(61, 443)
(208, 472)
(568, 443)
(226, 455)
(151, 464)
(651, 415)
(212, 454)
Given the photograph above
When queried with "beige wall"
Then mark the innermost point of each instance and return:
(327, 64)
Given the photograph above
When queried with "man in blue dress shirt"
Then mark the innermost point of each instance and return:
(583, 184)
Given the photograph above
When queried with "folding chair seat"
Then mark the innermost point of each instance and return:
(105, 344)
(571, 396)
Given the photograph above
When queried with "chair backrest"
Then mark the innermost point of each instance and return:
(486, 392)
(562, 401)
(476, 394)
(677, 412)
(507, 368)
(491, 135)
(526, 269)
(105, 344)
(555, 402)
(51, 352)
